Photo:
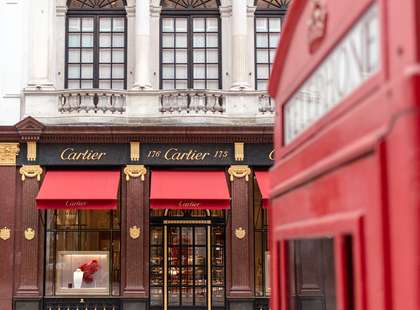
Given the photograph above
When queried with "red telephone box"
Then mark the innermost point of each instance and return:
(345, 197)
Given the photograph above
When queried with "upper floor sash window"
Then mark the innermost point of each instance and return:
(190, 45)
(96, 45)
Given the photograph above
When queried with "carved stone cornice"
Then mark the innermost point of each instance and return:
(135, 171)
(29, 129)
(8, 153)
(31, 171)
(239, 171)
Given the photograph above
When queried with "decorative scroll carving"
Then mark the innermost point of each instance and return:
(272, 4)
(135, 171)
(31, 150)
(96, 4)
(239, 151)
(239, 171)
(31, 171)
(29, 233)
(8, 153)
(134, 232)
(135, 151)
(240, 233)
(189, 4)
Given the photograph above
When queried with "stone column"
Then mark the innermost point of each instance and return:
(142, 67)
(239, 42)
(41, 40)
(154, 43)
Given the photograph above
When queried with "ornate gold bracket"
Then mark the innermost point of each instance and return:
(29, 233)
(239, 171)
(31, 171)
(31, 150)
(239, 151)
(135, 151)
(8, 153)
(135, 171)
(134, 232)
(5, 233)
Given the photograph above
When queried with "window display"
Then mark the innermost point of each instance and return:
(82, 272)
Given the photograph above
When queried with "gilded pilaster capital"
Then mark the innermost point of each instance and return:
(239, 171)
(8, 153)
(31, 171)
(135, 171)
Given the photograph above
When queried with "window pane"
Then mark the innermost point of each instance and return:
(117, 84)
(87, 71)
(199, 56)
(74, 24)
(212, 40)
(199, 72)
(181, 72)
(181, 56)
(118, 40)
(181, 40)
(118, 56)
(262, 40)
(199, 40)
(212, 24)
(105, 40)
(274, 39)
(212, 84)
(272, 55)
(262, 71)
(118, 24)
(212, 56)
(118, 71)
(105, 84)
(168, 84)
(105, 24)
(104, 71)
(262, 84)
(181, 25)
(167, 56)
(168, 40)
(87, 84)
(87, 56)
(199, 84)
(198, 24)
(167, 25)
(275, 24)
(212, 71)
(262, 56)
(74, 56)
(168, 72)
(87, 24)
(73, 84)
(104, 55)
(87, 40)
(261, 25)
(181, 84)
(73, 71)
(74, 40)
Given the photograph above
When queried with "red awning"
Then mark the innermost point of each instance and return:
(264, 185)
(189, 190)
(79, 190)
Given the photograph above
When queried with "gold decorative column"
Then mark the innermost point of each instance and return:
(135, 171)
(8, 153)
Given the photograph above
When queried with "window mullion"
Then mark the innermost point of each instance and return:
(96, 53)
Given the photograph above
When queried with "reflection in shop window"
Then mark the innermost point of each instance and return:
(83, 252)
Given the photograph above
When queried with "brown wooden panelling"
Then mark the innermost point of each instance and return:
(135, 252)
(7, 219)
(241, 251)
(29, 253)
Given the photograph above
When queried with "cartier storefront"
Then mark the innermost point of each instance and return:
(133, 217)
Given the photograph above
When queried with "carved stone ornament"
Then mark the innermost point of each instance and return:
(8, 153)
(317, 25)
(239, 171)
(135, 171)
(5, 233)
(31, 171)
(134, 232)
(240, 233)
(29, 233)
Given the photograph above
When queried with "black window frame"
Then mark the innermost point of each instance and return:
(96, 14)
(190, 14)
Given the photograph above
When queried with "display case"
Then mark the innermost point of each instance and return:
(82, 272)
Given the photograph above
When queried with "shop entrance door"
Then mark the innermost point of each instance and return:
(187, 265)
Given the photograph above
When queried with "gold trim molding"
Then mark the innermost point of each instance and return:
(239, 151)
(29, 233)
(135, 171)
(31, 171)
(239, 171)
(31, 150)
(134, 232)
(5, 233)
(135, 151)
(8, 153)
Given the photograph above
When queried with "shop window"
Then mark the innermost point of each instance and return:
(96, 45)
(190, 45)
(83, 252)
(261, 244)
(311, 274)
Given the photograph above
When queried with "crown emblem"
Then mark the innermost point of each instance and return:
(5, 233)
(134, 232)
(317, 25)
(240, 233)
(29, 233)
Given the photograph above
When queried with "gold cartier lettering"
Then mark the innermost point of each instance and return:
(271, 155)
(188, 204)
(175, 154)
(71, 154)
(75, 203)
